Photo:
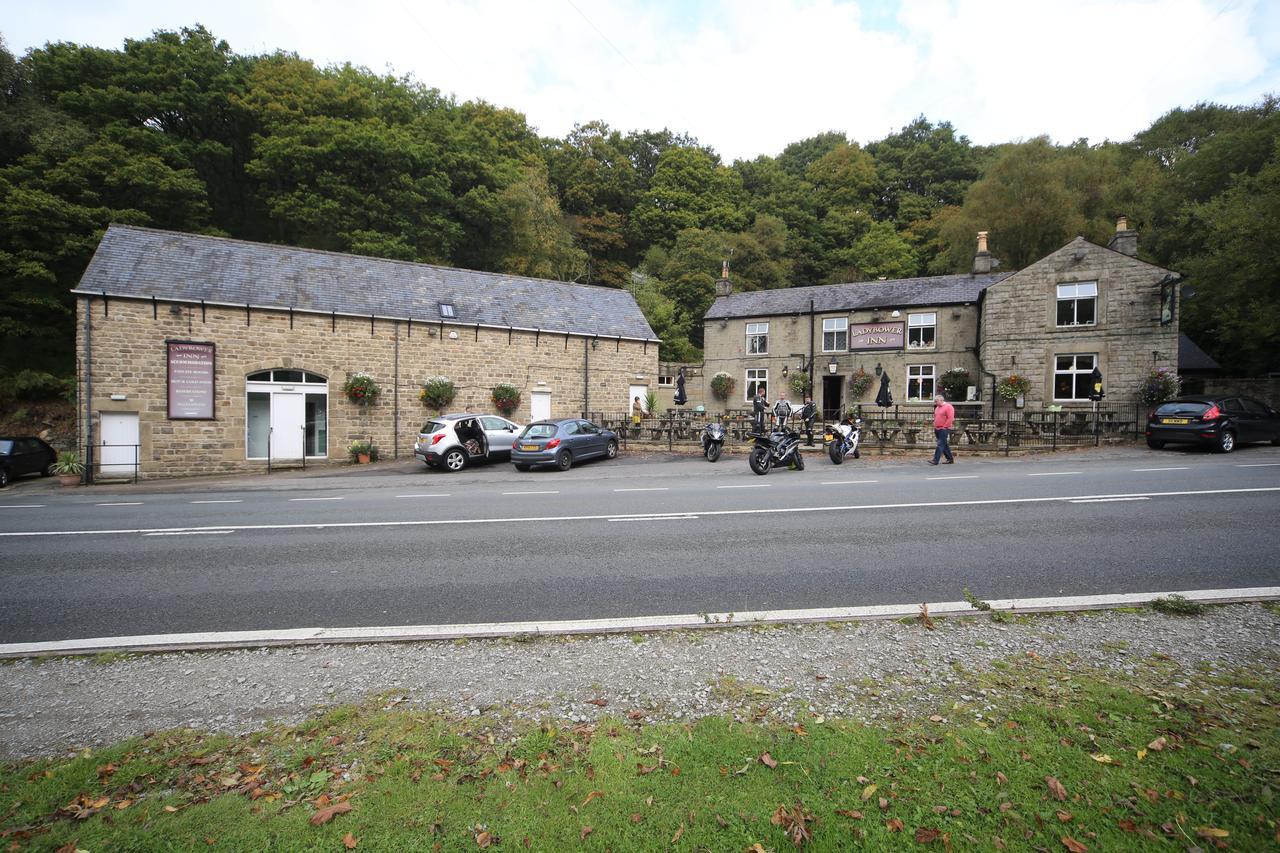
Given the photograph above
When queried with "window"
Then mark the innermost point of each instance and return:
(1077, 303)
(921, 330)
(446, 311)
(1073, 376)
(757, 378)
(757, 338)
(835, 334)
(666, 381)
(919, 381)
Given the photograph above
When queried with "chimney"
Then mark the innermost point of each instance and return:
(982, 259)
(724, 287)
(1125, 240)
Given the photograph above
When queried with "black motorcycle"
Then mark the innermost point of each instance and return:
(842, 439)
(712, 440)
(775, 448)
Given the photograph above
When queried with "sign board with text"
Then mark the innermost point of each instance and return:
(191, 370)
(871, 336)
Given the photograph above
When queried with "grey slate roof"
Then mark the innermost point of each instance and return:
(1191, 357)
(898, 293)
(144, 262)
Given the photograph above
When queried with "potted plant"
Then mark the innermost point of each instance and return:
(363, 451)
(68, 467)
(650, 402)
(955, 383)
(722, 385)
(437, 391)
(1161, 384)
(1013, 387)
(859, 384)
(506, 398)
(361, 388)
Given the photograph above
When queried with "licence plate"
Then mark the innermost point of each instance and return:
(1175, 421)
(828, 437)
(528, 447)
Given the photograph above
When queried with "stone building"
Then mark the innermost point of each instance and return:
(1081, 307)
(202, 355)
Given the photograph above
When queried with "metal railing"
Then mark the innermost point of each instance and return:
(95, 468)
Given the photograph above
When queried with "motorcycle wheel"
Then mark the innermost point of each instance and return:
(798, 458)
(836, 454)
(760, 460)
(712, 452)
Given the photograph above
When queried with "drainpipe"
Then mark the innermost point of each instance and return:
(88, 389)
(395, 417)
(977, 351)
(586, 383)
(810, 348)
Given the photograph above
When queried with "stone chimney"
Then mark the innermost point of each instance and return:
(982, 258)
(724, 287)
(1125, 240)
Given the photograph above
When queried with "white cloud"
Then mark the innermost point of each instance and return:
(750, 77)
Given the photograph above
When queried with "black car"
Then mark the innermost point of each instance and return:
(1220, 421)
(21, 455)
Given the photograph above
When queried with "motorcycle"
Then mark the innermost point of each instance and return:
(842, 439)
(775, 448)
(712, 440)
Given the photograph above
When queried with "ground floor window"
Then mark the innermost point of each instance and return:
(287, 415)
(757, 378)
(920, 381)
(1073, 376)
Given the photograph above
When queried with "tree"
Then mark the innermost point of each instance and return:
(880, 252)
(922, 168)
(689, 190)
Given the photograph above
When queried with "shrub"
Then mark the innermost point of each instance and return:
(68, 463)
(361, 388)
(955, 383)
(800, 383)
(859, 384)
(722, 385)
(35, 386)
(1177, 605)
(506, 398)
(438, 391)
(1013, 386)
(361, 445)
(650, 402)
(1161, 384)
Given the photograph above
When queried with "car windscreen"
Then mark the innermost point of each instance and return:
(432, 426)
(6, 447)
(1181, 409)
(539, 431)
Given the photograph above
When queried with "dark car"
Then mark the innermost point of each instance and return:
(21, 455)
(561, 443)
(1219, 421)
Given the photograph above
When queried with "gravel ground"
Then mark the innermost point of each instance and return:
(870, 671)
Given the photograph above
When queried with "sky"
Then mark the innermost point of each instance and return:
(748, 77)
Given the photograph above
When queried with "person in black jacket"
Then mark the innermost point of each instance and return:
(759, 408)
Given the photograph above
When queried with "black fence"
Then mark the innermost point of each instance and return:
(95, 468)
(906, 428)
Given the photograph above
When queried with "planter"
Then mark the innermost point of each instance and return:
(69, 479)
(362, 458)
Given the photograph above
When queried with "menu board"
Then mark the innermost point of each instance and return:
(190, 380)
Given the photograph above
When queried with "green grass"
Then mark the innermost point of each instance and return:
(415, 780)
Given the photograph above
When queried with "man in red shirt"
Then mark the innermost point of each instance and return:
(944, 417)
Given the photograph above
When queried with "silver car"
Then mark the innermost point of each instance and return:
(454, 441)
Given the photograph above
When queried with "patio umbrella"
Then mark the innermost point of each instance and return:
(884, 399)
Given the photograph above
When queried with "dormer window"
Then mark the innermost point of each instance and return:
(447, 311)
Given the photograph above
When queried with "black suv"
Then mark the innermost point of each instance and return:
(1221, 421)
(21, 455)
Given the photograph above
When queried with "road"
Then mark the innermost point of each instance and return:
(396, 544)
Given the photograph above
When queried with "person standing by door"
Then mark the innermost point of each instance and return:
(944, 418)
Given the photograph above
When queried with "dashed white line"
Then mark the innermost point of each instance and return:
(189, 533)
(956, 477)
(662, 489)
(532, 493)
(659, 518)
(1106, 500)
(1053, 473)
(335, 498)
(846, 482)
(746, 486)
(424, 496)
(237, 501)
(1182, 468)
(121, 503)
(21, 506)
(1259, 465)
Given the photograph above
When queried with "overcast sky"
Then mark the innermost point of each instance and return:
(750, 76)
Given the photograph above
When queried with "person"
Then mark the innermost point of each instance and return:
(759, 405)
(807, 413)
(944, 418)
(781, 411)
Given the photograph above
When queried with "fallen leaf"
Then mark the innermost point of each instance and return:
(868, 791)
(325, 815)
(599, 703)
(1056, 787)
(1005, 806)
(592, 796)
(851, 813)
(935, 719)
(1212, 832)
(124, 804)
(768, 761)
(1001, 778)
(939, 809)
(724, 824)
(484, 839)
(927, 835)
(1102, 758)
(924, 617)
(637, 817)
(1065, 817)
(171, 808)
(586, 830)
(679, 832)
(334, 741)
(893, 825)
(1073, 845)
(1142, 753)
(1127, 825)
(1158, 744)
(883, 803)
(349, 841)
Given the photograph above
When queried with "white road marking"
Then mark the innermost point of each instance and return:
(424, 496)
(1182, 468)
(402, 633)
(532, 493)
(337, 525)
(189, 533)
(659, 518)
(335, 498)
(1107, 500)
(122, 503)
(845, 482)
(237, 501)
(662, 489)
(1054, 473)
(746, 486)
(955, 477)
(1259, 465)
(21, 506)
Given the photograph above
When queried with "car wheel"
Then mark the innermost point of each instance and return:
(1226, 441)
(564, 460)
(455, 460)
(611, 450)
(4, 477)
(1155, 444)
(520, 466)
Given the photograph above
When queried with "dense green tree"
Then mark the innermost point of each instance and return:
(881, 252)
(921, 168)
(689, 190)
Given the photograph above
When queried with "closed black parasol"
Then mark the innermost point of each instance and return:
(884, 398)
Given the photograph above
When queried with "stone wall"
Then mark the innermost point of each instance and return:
(1020, 332)
(129, 360)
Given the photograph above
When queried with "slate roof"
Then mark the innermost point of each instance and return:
(144, 262)
(1191, 357)
(898, 293)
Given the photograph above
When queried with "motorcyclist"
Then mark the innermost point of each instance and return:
(759, 405)
(782, 412)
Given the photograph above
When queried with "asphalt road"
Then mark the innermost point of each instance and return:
(396, 544)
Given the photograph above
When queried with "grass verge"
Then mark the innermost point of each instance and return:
(1074, 760)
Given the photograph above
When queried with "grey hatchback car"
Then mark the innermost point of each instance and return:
(561, 443)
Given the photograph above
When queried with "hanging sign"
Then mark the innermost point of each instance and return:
(863, 336)
(191, 367)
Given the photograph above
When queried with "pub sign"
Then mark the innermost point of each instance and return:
(870, 336)
(191, 367)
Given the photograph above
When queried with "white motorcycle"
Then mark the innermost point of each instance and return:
(842, 439)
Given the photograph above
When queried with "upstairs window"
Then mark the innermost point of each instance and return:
(835, 334)
(1078, 303)
(922, 330)
(757, 338)
(447, 311)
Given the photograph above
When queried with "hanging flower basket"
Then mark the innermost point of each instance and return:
(361, 388)
(437, 391)
(1013, 386)
(800, 384)
(859, 384)
(722, 385)
(506, 398)
(1161, 384)
(955, 383)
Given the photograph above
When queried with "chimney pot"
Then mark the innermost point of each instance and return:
(982, 259)
(982, 241)
(1125, 240)
(1122, 224)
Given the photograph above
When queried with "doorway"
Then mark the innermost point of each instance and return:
(635, 391)
(539, 405)
(287, 415)
(118, 450)
(832, 397)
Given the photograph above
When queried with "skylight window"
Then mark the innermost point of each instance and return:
(447, 311)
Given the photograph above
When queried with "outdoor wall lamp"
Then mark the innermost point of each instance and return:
(833, 367)
(784, 371)
(879, 369)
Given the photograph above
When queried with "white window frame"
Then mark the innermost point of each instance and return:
(1075, 371)
(838, 329)
(918, 323)
(666, 381)
(920, 374)
(757, 375)
(1075, 293)
(757, 336)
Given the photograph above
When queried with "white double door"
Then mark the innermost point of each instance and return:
(288, 425)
